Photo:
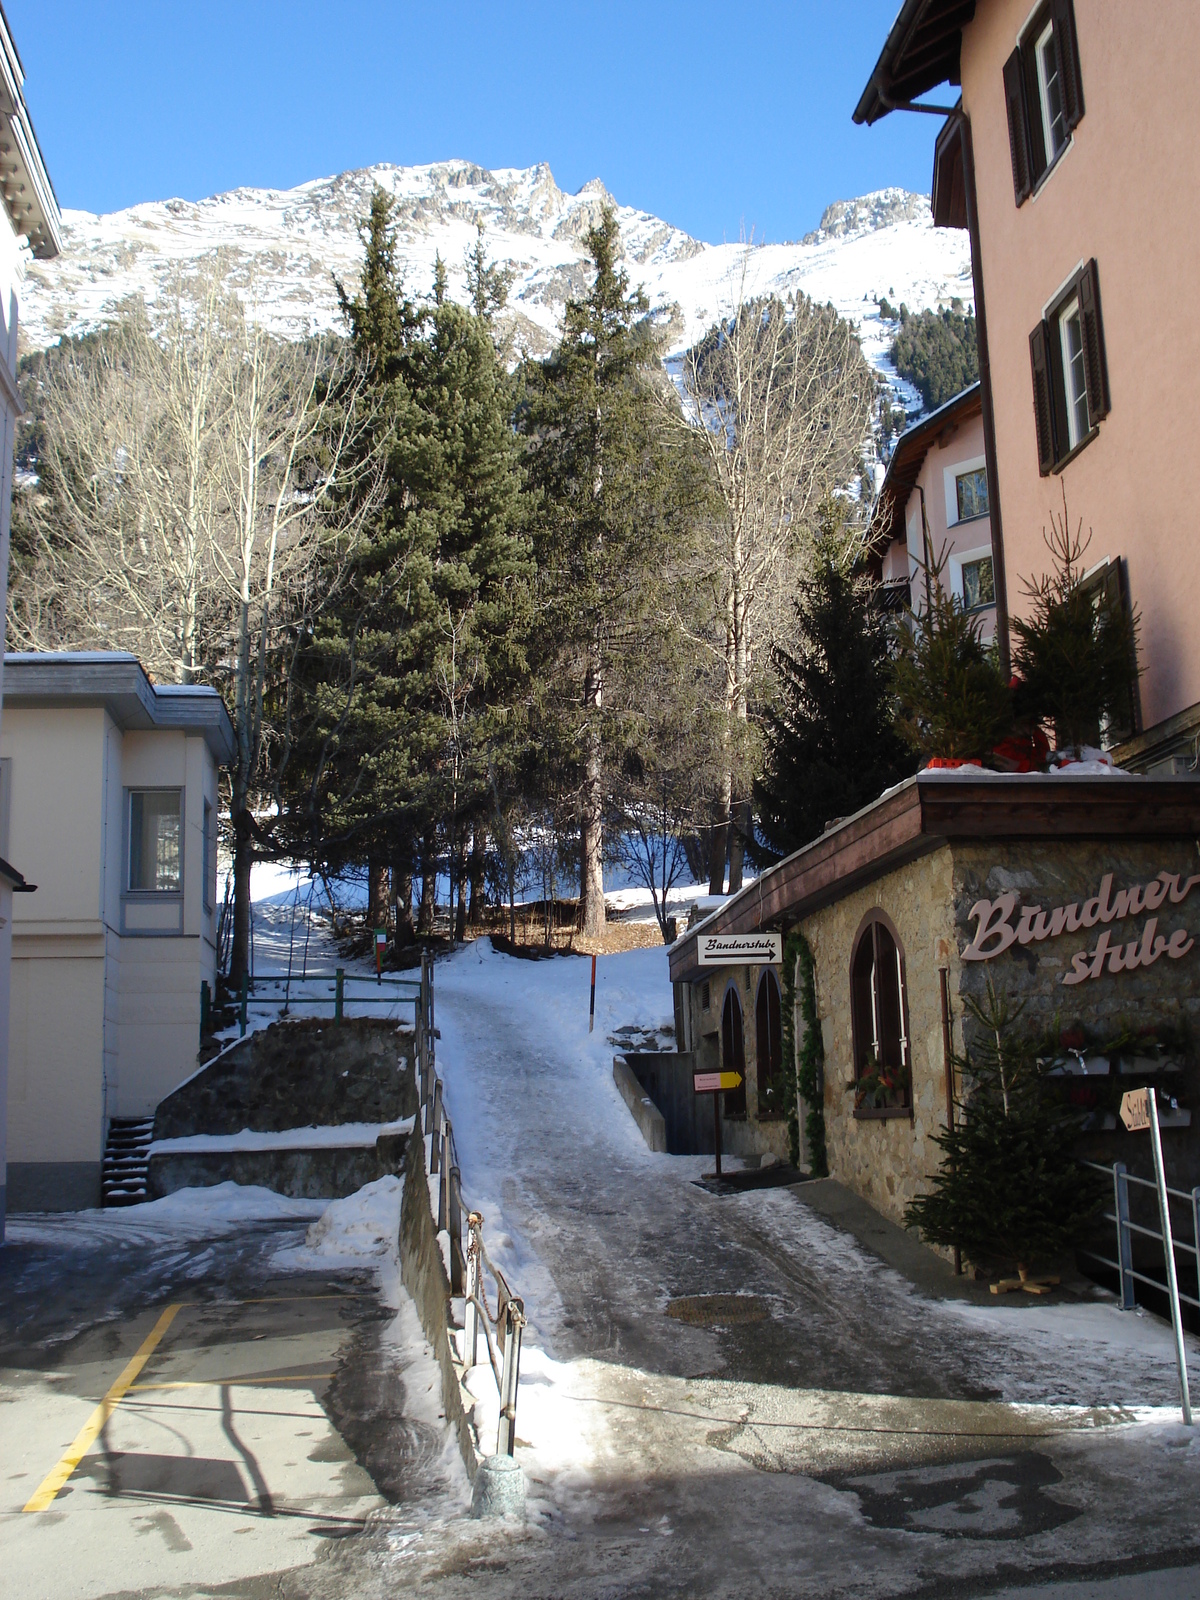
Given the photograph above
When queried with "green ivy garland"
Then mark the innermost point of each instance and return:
(807, 1074)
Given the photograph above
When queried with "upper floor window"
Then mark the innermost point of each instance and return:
(1043, 92)
(971, 494)
(979, 583)
(155, 841)
(1070, 374)
(210, 858)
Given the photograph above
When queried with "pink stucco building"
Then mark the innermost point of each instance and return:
(933, 512)
(1072, 159)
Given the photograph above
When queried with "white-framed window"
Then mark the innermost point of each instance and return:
(971, 493)
(979, 583)
(1070, 335)
(1050, 93)
(155, 844)
(966, 488)
(972, 577)
(1070, 371)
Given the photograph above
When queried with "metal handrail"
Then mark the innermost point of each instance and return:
(467, 1268)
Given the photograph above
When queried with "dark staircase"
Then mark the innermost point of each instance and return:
(126, 1170)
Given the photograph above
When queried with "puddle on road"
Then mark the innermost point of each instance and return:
(999, 1498)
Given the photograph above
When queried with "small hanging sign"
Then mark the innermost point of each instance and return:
(734, 949)
(712, 1082)
(1135, 1109)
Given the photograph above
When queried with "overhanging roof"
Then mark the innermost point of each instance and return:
(922, 50)
(908, 458)
(117, 681)
(25, 185)
(926, 812)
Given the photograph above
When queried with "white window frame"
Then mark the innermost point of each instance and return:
(961, 558)
(951, 476)
(1063, 317)
(1043, 84)
(209, 852)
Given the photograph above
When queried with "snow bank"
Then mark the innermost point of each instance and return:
(361, 1230)
(341, 1135)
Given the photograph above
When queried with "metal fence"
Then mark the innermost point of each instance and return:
(470, 1266)
(333, 990)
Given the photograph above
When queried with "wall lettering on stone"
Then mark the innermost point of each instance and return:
(1005, 921)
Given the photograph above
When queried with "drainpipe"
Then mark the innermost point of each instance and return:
(985, 381)
(928, 544)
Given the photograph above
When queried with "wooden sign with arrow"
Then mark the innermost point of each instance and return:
(715, 1083)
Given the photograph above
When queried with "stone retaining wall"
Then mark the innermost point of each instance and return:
(321, 1173)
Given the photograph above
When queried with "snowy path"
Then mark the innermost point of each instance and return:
(603, 1233)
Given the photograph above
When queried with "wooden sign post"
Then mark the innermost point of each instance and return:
(380, 947)
(715, 1083)
(1139, 1110)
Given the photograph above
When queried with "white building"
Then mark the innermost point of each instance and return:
(29, 224)
(108, 798)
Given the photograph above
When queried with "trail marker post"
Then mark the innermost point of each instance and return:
(380, 947)
(1139, 1110)
(715, 1083)
(592, 1009)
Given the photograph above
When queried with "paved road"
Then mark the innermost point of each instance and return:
(182, 1415)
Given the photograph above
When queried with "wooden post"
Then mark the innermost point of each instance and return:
(717, 1128)
(242, 1006)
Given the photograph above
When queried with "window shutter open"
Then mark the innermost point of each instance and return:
(1039, 355)
(1018, 125)
(1066, 46)
(1095, 369)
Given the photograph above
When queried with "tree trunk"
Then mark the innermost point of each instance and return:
(377, 891)
(591, 821)
(458, 906)
(402, 884)
(478, 846)
(243, 859)
(428, 882)
(718, 846)
(743, 821)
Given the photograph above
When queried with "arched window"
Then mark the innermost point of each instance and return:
(733, 1052)
(879, 1017)
(769, 1042)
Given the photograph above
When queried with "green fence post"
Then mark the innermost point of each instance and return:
(205, 1008)
(242, 1008)
(338, 993)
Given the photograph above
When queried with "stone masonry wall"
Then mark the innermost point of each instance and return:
(886, 1160)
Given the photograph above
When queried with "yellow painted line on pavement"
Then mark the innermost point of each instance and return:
(86, 1437)
(232, 1383)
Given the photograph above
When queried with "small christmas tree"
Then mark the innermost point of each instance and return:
(1010, 1192)
(954, 703)
(831, 745)
(1077, 655)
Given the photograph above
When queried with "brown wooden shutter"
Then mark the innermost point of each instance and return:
(1018, 125)
(1066, 46)
(1039, 355)
(1095, 368)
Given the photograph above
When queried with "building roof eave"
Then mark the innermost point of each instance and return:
(118, 682)
(933, 809)
(920, 52)
(908, 457)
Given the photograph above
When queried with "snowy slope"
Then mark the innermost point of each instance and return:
(286, 248)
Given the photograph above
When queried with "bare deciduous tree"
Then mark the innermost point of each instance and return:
(780, 396)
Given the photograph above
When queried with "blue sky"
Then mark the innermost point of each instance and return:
(718, 118)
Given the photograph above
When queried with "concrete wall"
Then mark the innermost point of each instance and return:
(1123, 192)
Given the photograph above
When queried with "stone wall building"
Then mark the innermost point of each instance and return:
(1077, 897)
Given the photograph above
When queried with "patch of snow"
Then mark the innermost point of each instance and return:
(363, 1228)
(343, 1135)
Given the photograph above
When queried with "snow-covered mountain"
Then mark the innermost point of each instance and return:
(287, 247)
